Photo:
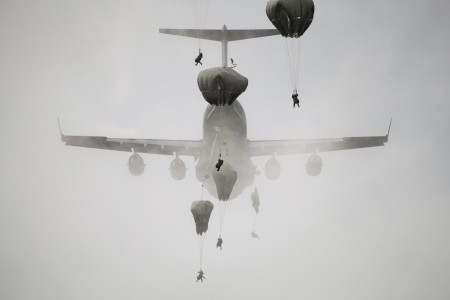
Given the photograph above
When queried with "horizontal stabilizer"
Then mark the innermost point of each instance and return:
(217, 35)
(245, 34)
(205, 34)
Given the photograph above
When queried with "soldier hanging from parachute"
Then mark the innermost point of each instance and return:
(224, 177)
(219, 243)
(292, 18)
(201, 211)
(219, 162)
(295, 99)
(224, 180)
(201, 13)
(255, 204)
(198, 60)
(200, 276)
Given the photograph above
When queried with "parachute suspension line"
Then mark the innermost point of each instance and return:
(222, 210)
(203, 187)
(288, 61)
(297, 62)
(197, 22)
(222, 148)
(206, 10)
(201, 242)
(256, 216)
(212, 150)
(201, 13)
(292, 46)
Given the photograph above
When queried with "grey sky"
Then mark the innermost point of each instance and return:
(75, 225)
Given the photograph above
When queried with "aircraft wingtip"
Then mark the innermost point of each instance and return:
(389, 129)
(60, 130)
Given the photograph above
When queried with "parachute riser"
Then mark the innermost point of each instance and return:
(201, 14)
(222, 212)
(293, 49)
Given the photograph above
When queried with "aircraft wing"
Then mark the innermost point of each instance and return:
(286, 147)
(164, 147)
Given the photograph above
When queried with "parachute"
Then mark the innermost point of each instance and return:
(224, 180)
(255, 200)
(221, 86)
(292, 18)
(201, 210)
(255, 204)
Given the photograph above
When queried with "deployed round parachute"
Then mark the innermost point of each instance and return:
(221, 86)
(201, 210)
(224, 180)
(255, 203)
(292, 18)
(255, 200)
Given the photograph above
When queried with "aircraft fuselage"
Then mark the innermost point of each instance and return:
(225, 133)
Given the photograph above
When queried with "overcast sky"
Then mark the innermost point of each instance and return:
(75, 225)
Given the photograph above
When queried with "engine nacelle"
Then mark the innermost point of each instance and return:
(136, 165)
(272, 169)
(314, 165)
(177, 169)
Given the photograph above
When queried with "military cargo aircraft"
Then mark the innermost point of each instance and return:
(224, 130)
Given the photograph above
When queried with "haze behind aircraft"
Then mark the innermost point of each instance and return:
(225, 133)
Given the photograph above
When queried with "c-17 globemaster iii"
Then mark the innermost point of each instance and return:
(224, 130)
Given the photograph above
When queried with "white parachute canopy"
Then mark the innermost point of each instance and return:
(255, 200)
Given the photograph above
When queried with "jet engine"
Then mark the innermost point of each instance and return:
(177, 169)
(272, 169)
(314, 165)
(136, 165)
